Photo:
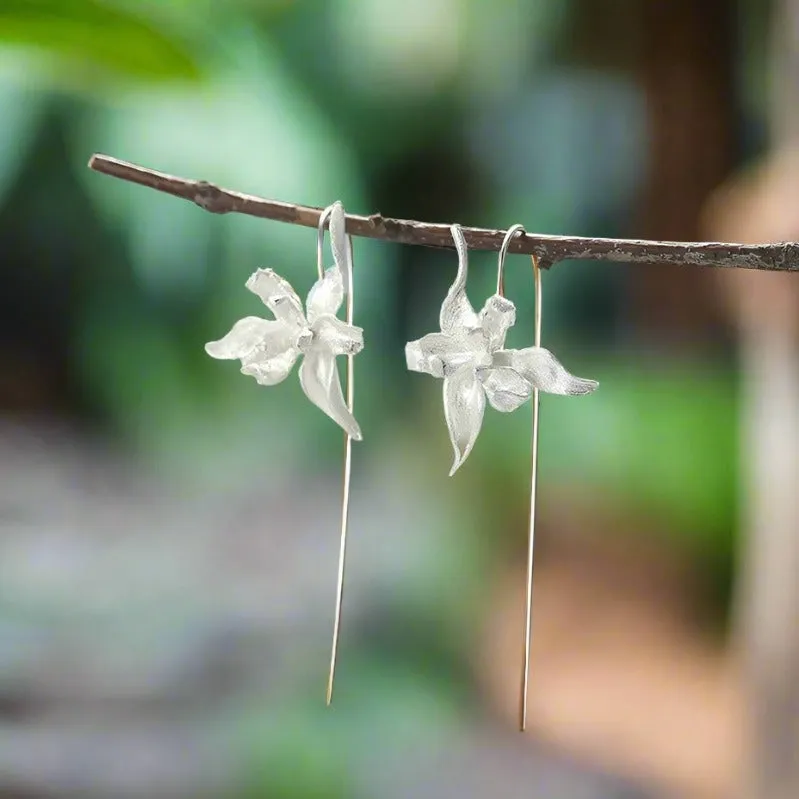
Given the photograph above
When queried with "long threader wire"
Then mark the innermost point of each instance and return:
(528, 612)
(345, 497)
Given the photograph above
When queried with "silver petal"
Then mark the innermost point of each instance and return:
(326, 295)
(506, 389)
(320, 382)
(464, 404)
(337, 336)
(249, 334)
(269, 371)
(456, 310)
(437, 354)
(543, 370)
(496, 318)
(278, 295)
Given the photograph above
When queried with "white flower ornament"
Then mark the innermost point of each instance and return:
(469, 355)
(269, 348)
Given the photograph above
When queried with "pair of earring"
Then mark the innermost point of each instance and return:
(468, 354)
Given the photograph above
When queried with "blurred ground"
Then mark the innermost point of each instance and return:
(613, 618)
(105, 692)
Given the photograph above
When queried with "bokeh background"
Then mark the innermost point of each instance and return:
(169, 530)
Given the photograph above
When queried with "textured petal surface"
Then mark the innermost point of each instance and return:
(437, 354)
(506, 389)
(320, 382)
(496, 318)
(543, 370)
(464, 404)
(337, 336)
(249, 334)
(269, 371)
(326, 295)
(278, 295)
(456, 310)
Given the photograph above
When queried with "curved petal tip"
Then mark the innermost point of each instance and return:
(320, 381)
(214, 349)
(464, 404)
(582, 385)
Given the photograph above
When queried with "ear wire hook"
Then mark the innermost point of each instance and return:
(325, 218)
(528, 616)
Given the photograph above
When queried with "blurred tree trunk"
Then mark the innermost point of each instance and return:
(768, 311)
(769, 589)
(685, 65)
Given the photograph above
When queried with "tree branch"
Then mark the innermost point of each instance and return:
(550, 249)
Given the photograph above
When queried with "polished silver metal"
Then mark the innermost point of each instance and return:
(544, 373)
(341, 244)
(268, 348)
(468, 354)
(528, 604)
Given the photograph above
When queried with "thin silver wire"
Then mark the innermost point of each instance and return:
(324, 218)
(503, 251)
(345, 495)
(528, 615)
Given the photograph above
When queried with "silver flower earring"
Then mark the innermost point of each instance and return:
(469, 355)
(463, 355)
(268, 349)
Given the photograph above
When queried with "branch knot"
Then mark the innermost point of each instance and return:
(211, 198)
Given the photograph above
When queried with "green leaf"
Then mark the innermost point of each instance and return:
(91, 34)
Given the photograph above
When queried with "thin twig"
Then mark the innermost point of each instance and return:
(783, 256)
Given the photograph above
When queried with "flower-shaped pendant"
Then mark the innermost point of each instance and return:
(469, 355)
(268, 348)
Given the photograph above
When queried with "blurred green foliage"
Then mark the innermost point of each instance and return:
(315, 101)
(84, 35)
